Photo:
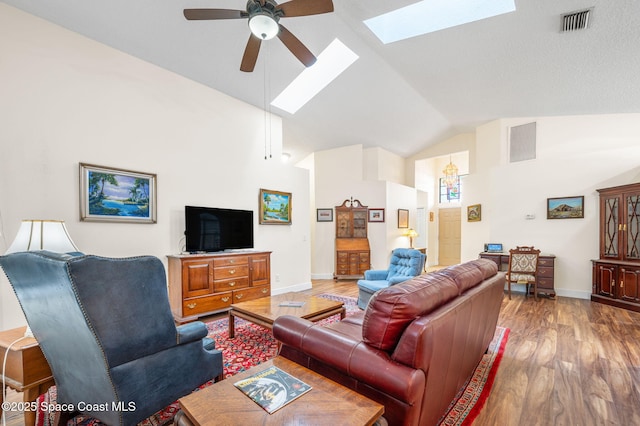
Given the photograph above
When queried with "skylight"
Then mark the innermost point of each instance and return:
(428, 16)
(330, 64)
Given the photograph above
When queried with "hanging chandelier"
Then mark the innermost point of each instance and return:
(450, 174)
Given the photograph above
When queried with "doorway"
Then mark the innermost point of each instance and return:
(449, 236)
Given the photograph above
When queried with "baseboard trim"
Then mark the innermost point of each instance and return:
(296, 287)
(328, 276)
(575, 294)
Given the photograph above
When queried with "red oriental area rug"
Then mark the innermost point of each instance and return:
(253, 345)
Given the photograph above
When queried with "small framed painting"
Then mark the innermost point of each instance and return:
(275, 207)
(474, 213)
(376, 215)
(403, 218)
(108, 194)
(565, 207)
(324, 215)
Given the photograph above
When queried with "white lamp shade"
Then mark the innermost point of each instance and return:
(263, 27)
(48, 235)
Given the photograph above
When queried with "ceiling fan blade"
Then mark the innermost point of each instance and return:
(250, 54)
(305, 7)
(198, 14)
(296, 47)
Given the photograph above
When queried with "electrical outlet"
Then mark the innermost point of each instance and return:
(277, 278)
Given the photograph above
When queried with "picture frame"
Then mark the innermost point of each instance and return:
(565, 207)
(376, 215)
(324, 215)
(474, 213)
(403, 218)
(274, 207)
(109, 194)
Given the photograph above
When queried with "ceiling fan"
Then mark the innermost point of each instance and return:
(264, 17)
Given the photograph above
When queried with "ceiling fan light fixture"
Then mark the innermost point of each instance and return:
(263, 26)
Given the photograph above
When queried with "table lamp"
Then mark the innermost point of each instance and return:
(411, 233)
(48, 235)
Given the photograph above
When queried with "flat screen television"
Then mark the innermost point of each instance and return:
(210, 229)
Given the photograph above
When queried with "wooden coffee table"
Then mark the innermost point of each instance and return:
(327, 403)
(265, 310)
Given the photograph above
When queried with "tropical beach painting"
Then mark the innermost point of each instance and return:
(275, 207)
(116, 195)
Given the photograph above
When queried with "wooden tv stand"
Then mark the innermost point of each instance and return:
(203, 284)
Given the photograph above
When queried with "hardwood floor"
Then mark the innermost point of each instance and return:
(567, 362)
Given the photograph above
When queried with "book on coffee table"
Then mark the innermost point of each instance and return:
(272, 388)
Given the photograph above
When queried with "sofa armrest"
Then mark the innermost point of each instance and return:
(351, 357)
(376, 274)
(191, 332)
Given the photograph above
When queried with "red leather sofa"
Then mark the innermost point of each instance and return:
(414, 346)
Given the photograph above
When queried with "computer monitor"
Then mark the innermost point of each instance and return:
(493, 248)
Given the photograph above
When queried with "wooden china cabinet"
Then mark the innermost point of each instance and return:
(353, 255)
(616, 274)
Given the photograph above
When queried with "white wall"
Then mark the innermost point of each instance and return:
(575, 156)
(67, 99)
(339, 175)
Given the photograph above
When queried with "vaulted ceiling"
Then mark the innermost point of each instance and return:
(402, 96)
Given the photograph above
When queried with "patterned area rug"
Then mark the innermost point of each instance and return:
(253, 345)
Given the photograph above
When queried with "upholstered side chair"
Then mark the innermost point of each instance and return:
(404, 265)
(106, 329)
(523, 269)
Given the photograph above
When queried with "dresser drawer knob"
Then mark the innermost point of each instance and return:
(238, 296)
(232, 271)
(231, 284)
(225, 299)
(264, 290)
(191, 305)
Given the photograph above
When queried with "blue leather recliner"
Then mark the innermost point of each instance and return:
(405, 264)
(106, 329)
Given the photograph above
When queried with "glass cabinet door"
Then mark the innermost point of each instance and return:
(343, 224)
(360, 224)
(632, 227)
(610, 244)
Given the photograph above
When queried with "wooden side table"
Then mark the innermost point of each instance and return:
(27, 370)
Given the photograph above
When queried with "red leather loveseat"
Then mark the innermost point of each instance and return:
(413, 347)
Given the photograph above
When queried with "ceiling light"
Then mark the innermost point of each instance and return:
(333, 60)
(285, 157)
(264, 27)
(433, 15)
(450, 174)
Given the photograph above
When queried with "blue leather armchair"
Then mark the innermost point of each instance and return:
(405, 264)
(106, 329)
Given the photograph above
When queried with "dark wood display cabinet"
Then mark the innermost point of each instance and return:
(353, 255)
(546, 270)
(616, 274)
(200, 285)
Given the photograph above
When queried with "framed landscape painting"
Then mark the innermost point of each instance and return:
(108, 194)
(474, 213)
(565, 208)
(403, 218)
(275, 207)
(376, 215)
(324, 215)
